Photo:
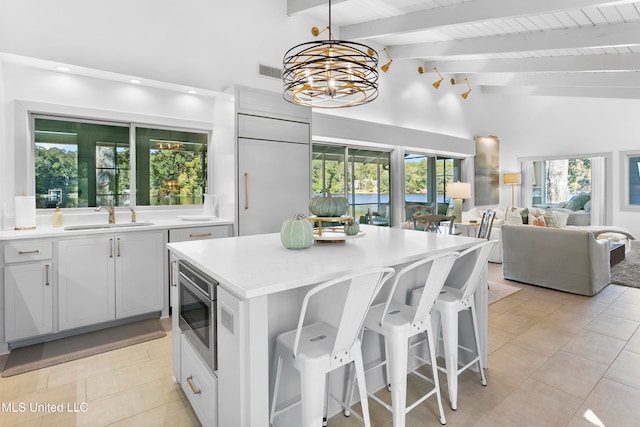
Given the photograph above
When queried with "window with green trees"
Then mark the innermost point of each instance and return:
(81, 163)
(367, 183)
(426, 178)
(557, 181)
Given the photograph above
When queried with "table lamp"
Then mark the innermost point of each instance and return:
(511, 178)
(458, 191)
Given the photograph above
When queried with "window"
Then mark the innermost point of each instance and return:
(367, 187)
(630, 160)
(88, 164)
(171, 167)
(426, 178)
(557, 181)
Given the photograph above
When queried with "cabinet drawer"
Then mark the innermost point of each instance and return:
(198, 233)
(28, 250)
(199, 384)
(255, 127)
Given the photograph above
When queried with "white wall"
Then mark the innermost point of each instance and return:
(202, 43)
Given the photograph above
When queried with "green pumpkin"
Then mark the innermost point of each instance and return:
(328, 206)
(351, 228)
(296, 233)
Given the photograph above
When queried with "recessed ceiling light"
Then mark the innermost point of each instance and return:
(135, 81)
(64, 69)
(192, 92)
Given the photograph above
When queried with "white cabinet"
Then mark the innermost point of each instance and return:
(103, 278)
(274, 184)
(199, 385)
(139, 273)
(28, 289)
(28, 297)
(86, 281)
(199, 233)
(270, 141)
(175, 323)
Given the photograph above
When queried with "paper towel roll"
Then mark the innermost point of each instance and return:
(25, 213)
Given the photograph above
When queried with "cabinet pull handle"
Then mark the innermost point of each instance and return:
(37, 251)
(171, 268)
(193, 388)
(110, 248)
(200, 235)
(46, 272)
(246, 190)
(118, 247)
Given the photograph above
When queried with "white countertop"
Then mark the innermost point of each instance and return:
(158, 224)
(252, 266)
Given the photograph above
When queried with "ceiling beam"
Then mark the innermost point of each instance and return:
(622, 34)
(603, 62)
(611, 80)
(462, 13)
(583, 92)
(299, 6)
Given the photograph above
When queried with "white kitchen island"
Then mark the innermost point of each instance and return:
(261, 288)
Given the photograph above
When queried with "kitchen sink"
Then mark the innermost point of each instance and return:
(102, 225)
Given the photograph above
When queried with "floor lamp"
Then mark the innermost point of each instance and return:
(513, 179)
(458, 191)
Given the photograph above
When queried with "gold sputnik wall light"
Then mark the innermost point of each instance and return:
(385, 67)
(331, 73)
(436, 84)
(465, 94)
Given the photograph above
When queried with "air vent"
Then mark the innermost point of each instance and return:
(271, 72)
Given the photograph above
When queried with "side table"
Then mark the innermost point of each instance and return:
(616, 253)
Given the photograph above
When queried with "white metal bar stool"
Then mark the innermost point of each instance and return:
(458, 295)
(398, 322)
(320, 347)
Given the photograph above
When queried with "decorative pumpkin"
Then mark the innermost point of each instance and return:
(296, 233)
(328, 206)
(351, 228)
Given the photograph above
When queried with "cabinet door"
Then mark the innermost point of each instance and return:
(273, 184)
(86, 287)
(28, 300)
(175, 313)
(139, 273)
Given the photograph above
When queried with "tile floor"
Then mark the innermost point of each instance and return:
(555, 359)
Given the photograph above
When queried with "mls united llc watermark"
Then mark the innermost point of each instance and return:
(19, 407)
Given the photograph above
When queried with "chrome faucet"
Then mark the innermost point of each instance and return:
(111, 210)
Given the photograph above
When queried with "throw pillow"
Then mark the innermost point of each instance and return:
(578, 201)
(549, 218)
(513, 217)
(561, 218)
(539, 221)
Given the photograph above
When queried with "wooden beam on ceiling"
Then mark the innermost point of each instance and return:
(300, 6)
(582, 92)
(463, 13)
(603, 62)
(610, 80)
(599, 36)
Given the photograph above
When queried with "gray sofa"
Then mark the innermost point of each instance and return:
(570, 260)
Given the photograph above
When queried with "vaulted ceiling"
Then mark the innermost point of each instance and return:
(538, 47)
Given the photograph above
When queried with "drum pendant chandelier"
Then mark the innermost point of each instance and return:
(330, 73)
